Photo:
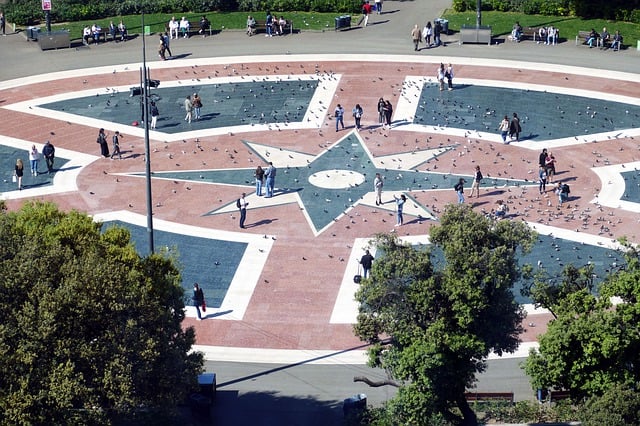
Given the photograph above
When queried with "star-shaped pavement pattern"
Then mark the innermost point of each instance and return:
(329, 184)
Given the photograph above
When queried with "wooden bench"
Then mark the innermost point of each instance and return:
(584, 36)
(193, 30)
(559, 395)
(261, 26)
(489, 396)
(527, 33)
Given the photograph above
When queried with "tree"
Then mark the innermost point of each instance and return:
(618, 406)
(592, 345)
(432, 326)
(89, 330)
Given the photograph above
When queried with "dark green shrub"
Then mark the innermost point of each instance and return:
(464, 5)
(618, 406)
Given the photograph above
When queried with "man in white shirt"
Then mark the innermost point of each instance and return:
(173, 28)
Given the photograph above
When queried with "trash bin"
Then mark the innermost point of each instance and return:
(343, 21)
(32, 33)
(444, 23)
(207, 383)
(355, 405)
(54, 40)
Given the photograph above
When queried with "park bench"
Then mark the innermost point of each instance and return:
(584, 36)
(527, 33)
(558, 395)
(261, 26)
(193, 29)
(489, 396)
(475, 35)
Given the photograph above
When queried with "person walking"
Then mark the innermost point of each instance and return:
(503, 127)
(104, 145)
(339, 114)
(367, 262)
(388, 111)
(162, 47)
(116, 145)
(34, 156)
(377, 186)
(477, 179)
(49, 153)
(427, 32)
(197, 105)
(378, 4)
(366, 11)
(459, 188)
(188, 107)
(542, 174)
(440, 75)
(3, 24)
(399, 206)
(270, 175)
(357, 115)
(515, 128)
(242, 205)
(259, 174)
(18, 172)
(154, 115)
(198, 299)
(416, 36)
(166, 39)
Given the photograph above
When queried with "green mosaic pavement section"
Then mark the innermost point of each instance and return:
(224, 105)
(211, 263)
(8, 157)
(631, 186)
(542, 115)
(324, 205)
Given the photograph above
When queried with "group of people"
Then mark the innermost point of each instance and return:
(385, 111)
(273, 25)
(426, 34)
(547, 169)
(604, 39)
(104, 144)
(265, 178)
(178, 27)
(95, 32)
(549, 35)
(445, 73)
(510, 129)
(192, 107)
(49, 154)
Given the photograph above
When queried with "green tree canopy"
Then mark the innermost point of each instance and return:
(89, 330)
(592, 345)
(432, 327)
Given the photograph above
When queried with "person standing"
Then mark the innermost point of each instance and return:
(242, 205)
(269, 25)
(448, 73)
(34, 156)
(378, 183)
(259, 174)
(542, 174)
(416, 36)
(515, 128)
(381, 118)
(19, 172)
(270, 175)
(116, 145)
(367, 262)
(459, 188)
(104, 145)
(388, 111)
(198, 299)
(188, 107)
(477, 179)
(197, 104)
(542, 158)
(503, 127)
(339, 114)
(437, 30)
(49, 153)
(3, 23)
(550, 166)
(399, 206)
(154, 115)
(357, 115)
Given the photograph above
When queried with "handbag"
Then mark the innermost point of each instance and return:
(357, 277)
(14, 178)
(204, 306)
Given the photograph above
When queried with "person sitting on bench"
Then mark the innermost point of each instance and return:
(251, 26)
(593, 38)
(204, 25)
(516, 33)
(617, 41)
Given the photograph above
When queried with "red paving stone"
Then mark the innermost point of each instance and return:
(294, 298)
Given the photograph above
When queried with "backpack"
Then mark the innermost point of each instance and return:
(457, 187)
(238, 203)
(566, 189)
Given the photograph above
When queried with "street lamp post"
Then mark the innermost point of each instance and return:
(144, 95)
(479, 14)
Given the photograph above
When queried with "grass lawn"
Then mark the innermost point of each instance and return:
(502, 22)
(304, 21)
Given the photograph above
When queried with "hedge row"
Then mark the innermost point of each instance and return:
(29, 12)
(619, 10)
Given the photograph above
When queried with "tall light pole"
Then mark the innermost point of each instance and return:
(144, 81)
(479, 14)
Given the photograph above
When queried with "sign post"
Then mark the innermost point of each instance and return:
(46, 6)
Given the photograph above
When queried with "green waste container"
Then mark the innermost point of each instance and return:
(147, 30)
